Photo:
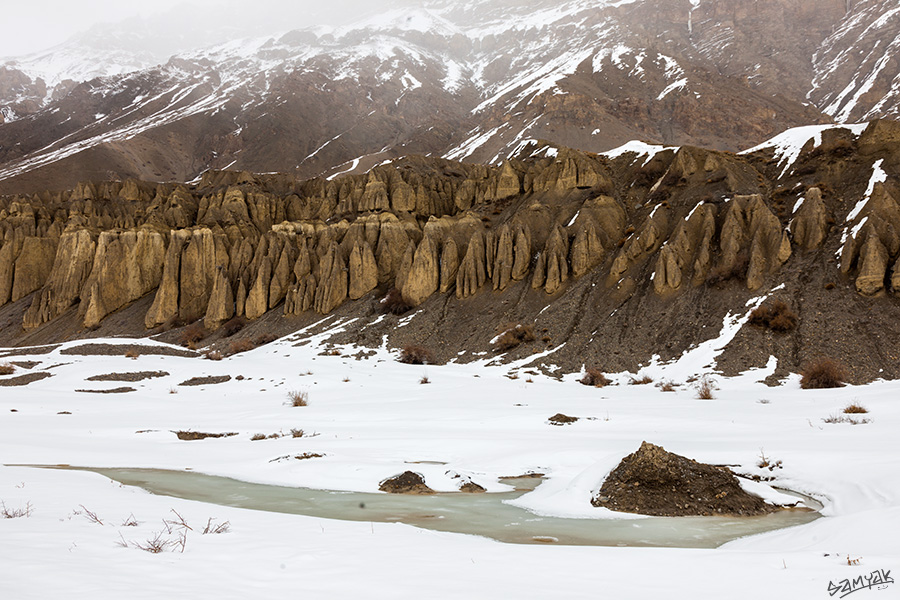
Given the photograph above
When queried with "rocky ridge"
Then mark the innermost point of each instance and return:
(585, 246)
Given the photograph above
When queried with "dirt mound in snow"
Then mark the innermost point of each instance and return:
(655, 482)
(405, 483)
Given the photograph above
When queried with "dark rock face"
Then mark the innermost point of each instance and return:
(405, 483)
(652, 481)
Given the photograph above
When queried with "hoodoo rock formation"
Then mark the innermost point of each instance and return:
(685, 234)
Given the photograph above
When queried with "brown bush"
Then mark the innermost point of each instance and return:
(265, 338)
(415, 355)
(644, 380)
(394, 303)
(7, 369)
(238, 346)
(823, 373)
(298, 398)
(514, 336)
(775, 315)
(594, 377)
(736, 270)
(705, 388)
(232, 326)
(192, 334)
(855, 408)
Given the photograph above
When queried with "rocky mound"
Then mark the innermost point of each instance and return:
(405, 483)
(655, 482)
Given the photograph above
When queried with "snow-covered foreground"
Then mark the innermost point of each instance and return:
(371, 418)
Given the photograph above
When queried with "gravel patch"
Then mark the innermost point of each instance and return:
(130, 377)
(208, 380)
(24, 379)
(121, 349)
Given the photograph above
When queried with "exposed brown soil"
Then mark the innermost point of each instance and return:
(121, 350)
(561, 419)
(131, 377)
(405, 483)
(25, 364)
(35, 350)
(199, 435)
(655, 482)
(118, 390)
(24, 379)
(208, 380)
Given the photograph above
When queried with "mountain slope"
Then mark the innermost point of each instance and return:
(468, 80)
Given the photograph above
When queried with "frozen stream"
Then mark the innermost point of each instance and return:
(477, 514)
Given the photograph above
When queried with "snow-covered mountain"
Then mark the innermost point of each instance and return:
(466, 80)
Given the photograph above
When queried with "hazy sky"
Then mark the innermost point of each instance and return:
(32, 25)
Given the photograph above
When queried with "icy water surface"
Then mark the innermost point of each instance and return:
(477, 514)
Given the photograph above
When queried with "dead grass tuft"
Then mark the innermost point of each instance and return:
(298, 398)
(724, 272)
(415, 355)
(394, 303)
(264, 338)
(666, 385)
(238, 346)
(424, 380)
(823, 373)
(775, 315)
(192, 335)
(705, 387)
(15, 513)
(233, 326)
(640, 380)
(594, 377)
(855, 408)
(513, 337)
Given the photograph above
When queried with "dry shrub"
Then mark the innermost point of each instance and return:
(214, 529)
(238, 346)
(213, 355)
(192, 334)
(233, 326)
(855, 408)
(15, 513)
(265, 338)
(257, 436)
(424, 380)
(641, 380)
(666, 386)
(298, 398)
(594, 377)
(775, 315)
(394, 303)
(705, 388)
(823, 373)
(297, 433)
(7, 369)
(514, 336)
(415, 355)
(725, 272)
